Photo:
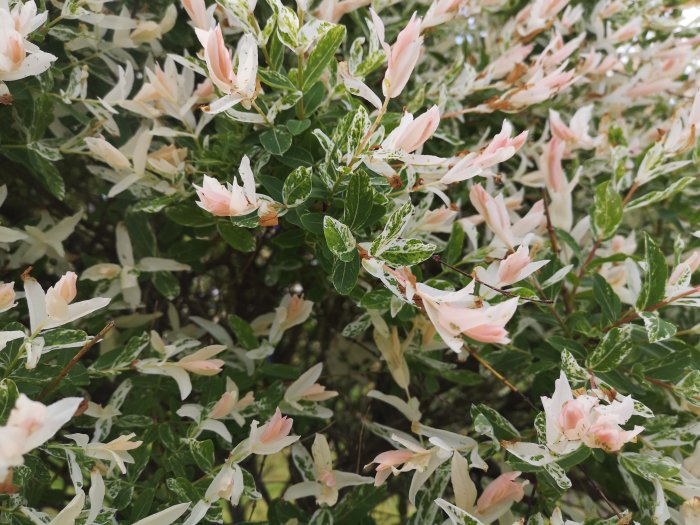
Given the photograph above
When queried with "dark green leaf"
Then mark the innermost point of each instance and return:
(654, 283)
(276, 140)
(322, 54)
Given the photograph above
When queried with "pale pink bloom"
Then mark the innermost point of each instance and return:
(556, 424)
(646, 88)
(387, 463)
(240, 86)
(197, 11)
(456, 313)
(30, 425)
(327, 481)
(107, 153)
(334, 10)
(505, 63)
(606, 433)
(690, 264)
(7, 296)
(440, 11)
(576, 133)
(500, 494)
(305, 388)
(292, 311)
(412, 458)
(115, 452)
(557, 51)
(572, 421)
(55, 307)
(494, 212)
(402, 56)
(627, 32)
(18, 57)
(219, 61)
(491, 327)
(231, 200)
(200, 362)
(558, 186)
(26, 18)
(517, 266)
(574, 418)
(539, 88)
(412, 133)
(60, 295)
(272, 437)
(501, 148)
(537, 15)
(230, 403)
(205, 90)
(438, 220)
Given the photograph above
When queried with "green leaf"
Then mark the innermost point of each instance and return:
(167, 284)
(657, 196)
(322, 516)
(453, 252)
(657, 329)
(8, 396)
(611, 351)
(339, 239)
(654, 283)
(502, 428)
(606, 298)
(607, 211)
(426, 510)
(276, 140)
(392, 230)
(203, 453)
(189, 214)
(689, 387)
(297, 186)
(238, 238)
(358, 200)
(322, 54)
(345, 274)
(297, 127)
(408, 252)
(243, 331)
(275, 80)
(650, 467)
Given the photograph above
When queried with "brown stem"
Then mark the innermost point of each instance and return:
(550, 228)
(87, 346)
(631, 316)
(438, 259)
(499, 376)
(631, 191)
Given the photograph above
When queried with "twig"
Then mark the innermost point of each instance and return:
(87, 346)
(438, 259)
(550, 228)
(499, 376)
(600, 492)
(634, 315)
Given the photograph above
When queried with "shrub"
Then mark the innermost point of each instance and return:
(343, 263)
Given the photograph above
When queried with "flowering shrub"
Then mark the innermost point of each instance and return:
(349, 262)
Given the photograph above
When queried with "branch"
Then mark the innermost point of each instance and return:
(438, 259)
(87, 346)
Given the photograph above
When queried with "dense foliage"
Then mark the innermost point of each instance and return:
(349, 262)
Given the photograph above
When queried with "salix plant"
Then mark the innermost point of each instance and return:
(349, 262)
